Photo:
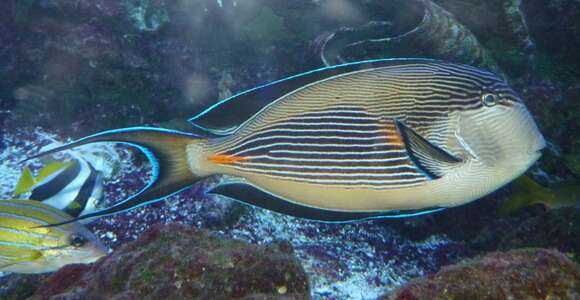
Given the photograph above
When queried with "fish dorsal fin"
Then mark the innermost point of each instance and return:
(228, 114)
(428, 157)
(252, 195)
(25, 182)
(52, 168)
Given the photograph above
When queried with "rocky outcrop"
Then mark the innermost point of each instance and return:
(517, 274)
(179, 262)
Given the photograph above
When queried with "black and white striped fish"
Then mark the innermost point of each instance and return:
(381, 138)
(74, 186)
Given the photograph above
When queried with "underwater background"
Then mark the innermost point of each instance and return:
(72, 68)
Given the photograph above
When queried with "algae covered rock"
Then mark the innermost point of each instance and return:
(517, 274)
(19, 286)
(556, 229)
(179, 262)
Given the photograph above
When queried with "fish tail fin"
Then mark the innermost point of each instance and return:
(526, 192)
(165, 149)
(25, 183)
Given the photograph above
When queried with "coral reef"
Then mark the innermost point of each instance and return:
(179, 262)
(517, 274)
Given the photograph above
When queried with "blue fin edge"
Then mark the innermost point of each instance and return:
(393, 214)
(230, 130)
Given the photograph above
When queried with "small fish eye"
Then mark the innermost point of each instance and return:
(77, 240)
(489, 99)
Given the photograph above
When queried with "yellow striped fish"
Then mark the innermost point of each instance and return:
(381, 138)
(27, 248)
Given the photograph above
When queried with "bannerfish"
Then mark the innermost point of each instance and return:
(27, 247)
(73, 186)
(371, 139)
(527, 192)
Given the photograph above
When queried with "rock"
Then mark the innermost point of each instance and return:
(555, 229)
(19, 286)
(179, 262)
(517, 274)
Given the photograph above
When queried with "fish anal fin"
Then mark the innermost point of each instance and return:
(252, 195)
(430, 158)
(25, 182)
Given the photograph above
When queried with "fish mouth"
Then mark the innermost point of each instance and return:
(539, 148)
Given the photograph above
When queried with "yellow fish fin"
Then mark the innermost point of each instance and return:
(74, 205)
(28, 255)
(526, 192)
(25, 182)
(52, 168)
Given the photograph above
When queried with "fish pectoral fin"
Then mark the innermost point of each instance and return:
(25, 182)
(430, 158)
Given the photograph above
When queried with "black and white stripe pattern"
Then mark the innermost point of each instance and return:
(70, 189)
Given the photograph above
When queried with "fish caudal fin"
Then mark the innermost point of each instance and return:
(25, 182)
(165, 149)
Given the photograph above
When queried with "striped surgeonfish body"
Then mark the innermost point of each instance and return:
(27, 248)
(74, 186)
(361, 140)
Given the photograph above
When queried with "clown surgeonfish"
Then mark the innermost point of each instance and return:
(380, 138)
(27, 246)
(73, 186)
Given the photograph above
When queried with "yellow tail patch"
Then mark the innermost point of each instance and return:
(225, 159)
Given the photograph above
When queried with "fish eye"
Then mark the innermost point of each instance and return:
(489, 100)
(77, 240)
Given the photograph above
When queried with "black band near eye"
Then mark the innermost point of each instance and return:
(489, 99)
